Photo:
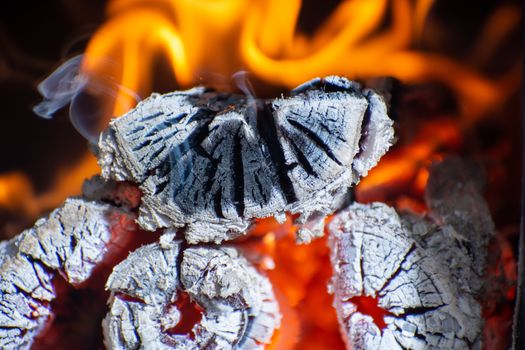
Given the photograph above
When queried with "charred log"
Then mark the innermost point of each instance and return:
(239, 308)
(212, 162)
(71, 241)
(424, 273)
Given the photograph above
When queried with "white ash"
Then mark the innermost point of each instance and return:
(425, 271)
(212, 162)
(25, 293)
(70, 241)
(239, 308)
(374, 255)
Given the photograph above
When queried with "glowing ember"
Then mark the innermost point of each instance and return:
(369, 306)
(190, 315)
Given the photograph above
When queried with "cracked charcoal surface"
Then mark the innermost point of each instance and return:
(70, 241)
(425, 271)
(212, 162)
(239, 307)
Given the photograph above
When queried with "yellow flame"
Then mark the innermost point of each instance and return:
(204, 38)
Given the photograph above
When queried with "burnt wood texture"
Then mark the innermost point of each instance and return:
(212, 162)
(425, 273)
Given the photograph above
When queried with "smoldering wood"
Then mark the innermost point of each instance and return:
(71, 241)
(454, 196)
(425, 271)
(25, 293)
(212, 162)
(239, 308)
(373, 255)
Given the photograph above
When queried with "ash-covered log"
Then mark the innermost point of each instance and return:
(70, 242)
(407, 282)
(239, 309)
(213, 162)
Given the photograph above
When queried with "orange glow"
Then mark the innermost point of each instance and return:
(301, 274)
(68, 181)
(499, 25)
(370, 306)
(406, 164)
(17, 194)
(289, 333)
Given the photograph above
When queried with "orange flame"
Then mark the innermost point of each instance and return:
(221, 37)
(17, 193)
(406, 165)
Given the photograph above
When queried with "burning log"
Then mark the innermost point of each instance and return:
(71, 241)
(239, 307)
(407, 282)
(213, 162)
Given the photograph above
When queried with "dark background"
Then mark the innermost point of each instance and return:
(35, 36)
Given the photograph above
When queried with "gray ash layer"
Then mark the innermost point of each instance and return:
(239, 308)
(212, 162)
(426, 272)
(71, 241)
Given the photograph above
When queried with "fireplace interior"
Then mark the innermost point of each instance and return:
(451, 73)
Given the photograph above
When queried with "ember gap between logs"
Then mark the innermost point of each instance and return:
(210, 218)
